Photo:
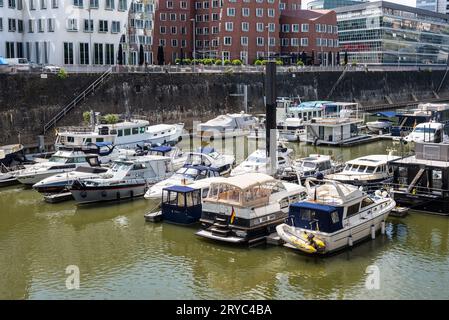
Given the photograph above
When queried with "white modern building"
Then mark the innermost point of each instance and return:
(440, 6)
(71, 32)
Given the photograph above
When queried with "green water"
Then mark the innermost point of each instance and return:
(121, 256)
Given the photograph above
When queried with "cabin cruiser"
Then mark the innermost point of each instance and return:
(379, 125)
(369, 170)
(209, 157)
(182, 204)
(176, 154)
(311, 166)
(427, 132)
(291, 129)
(333, 217)
(183, 176)
(60, 162)
(62, 181)
(258, 162)
(10, 154)
(125, 134)
(246, 208)
(421, 181)
(128, 178)
(228, 125)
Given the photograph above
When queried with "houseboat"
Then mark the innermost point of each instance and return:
(428, 132)
(370, 170)
(334, 131)
(421, 181)
(246, 208)
(333, 217)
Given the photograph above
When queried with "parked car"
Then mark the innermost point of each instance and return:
(51, 68)
(19, 64)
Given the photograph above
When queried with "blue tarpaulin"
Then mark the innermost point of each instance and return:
(3, 61)
(388, 114)
(162, 149)
(182, 189)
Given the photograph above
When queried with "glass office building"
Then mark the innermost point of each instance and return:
(331, 4)
(431, 5)
(391, 34)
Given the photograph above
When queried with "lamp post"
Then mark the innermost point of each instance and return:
(268, 41)
(194, 44)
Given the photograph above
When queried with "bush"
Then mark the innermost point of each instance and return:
(111, 118)
(177, 60)
(62, 74)
(227, 62)
(236, 62)
(354, 63)
(300, 63)
(86, 117)
(187, 61)
(258, 62)
(279, 63)
(218, 62)
(208, 61)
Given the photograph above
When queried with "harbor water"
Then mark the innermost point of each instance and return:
(120, 256)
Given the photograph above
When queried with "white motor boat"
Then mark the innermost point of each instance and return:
(257, 162)
(62, 181)
(60, 162)
(379, 125)
(312, 166)
(427, 132)
(11, 154)
(246, 208)
(126, 179)
(123, 134)
(367, 170)
(292, 129)
(210, 157)
(183, 176)
(228, 125)
(334, 216)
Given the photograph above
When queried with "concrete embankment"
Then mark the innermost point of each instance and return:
(28, 101)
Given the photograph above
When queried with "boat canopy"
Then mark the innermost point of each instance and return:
(162, 149)
(181, 189)
(315, 216)
(387, 114)
(245, 181)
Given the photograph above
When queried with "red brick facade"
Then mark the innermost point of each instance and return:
(235, 29)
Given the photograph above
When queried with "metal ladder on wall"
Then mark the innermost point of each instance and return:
(77, 100)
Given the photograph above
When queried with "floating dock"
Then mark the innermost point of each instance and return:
(153, 216)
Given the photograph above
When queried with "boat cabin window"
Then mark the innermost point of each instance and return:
(138, 166)
(127, 132)
(277, 187)
(58, 159)
(93, 161)
(324, 165)
(361, 169)
(120, 133)
(88, 140)
(193, 198)
(308, 164)
(352, 210)
(204, 192)
(70, 139)
(281, 160)
(135, 130)
(142, 130)
(367, 202)
(370, 169)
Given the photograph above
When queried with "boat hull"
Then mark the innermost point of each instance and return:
(422, 203)
(86, 195)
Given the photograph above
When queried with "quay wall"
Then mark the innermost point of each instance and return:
(28, 101)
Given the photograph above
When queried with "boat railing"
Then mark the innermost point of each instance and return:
(75, 129)
(417, 190)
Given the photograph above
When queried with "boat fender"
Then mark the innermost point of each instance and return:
(382, 227)
(104, 193)
(350, 242)
(373, 232)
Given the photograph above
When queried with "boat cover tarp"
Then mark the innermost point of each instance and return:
(206, 150)
(387, 114)
(3, 61)
(162, 149)
(183, 189)
(313, 216)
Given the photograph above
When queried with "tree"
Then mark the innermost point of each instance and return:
(141, 56)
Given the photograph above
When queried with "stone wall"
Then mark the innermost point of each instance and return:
(28, 101)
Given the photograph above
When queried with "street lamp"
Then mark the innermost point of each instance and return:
(194, 44)
(268, 41)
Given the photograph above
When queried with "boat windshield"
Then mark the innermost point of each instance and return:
(308, 164)
(370, 169)
(424, 130)
(186, 173)
(117, 166)
(58, 159)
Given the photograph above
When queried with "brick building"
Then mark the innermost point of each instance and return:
(237, 29)
(311, 36)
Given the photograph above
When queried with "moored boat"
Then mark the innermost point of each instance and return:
(333, 217)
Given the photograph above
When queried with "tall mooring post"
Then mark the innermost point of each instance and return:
(270, 105)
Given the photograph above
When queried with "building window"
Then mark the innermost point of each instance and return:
(244, 41)
(115, 27)
(54, 4)
(40, 25)
(32, 5)
(1, 23)
(98, 53)
(229, 26)
(12, 25)
(305, 27)
(109, 54)
(84, 53)
(304, 42)
(43, 4)
(78, 3)
(259, 27)
(294, 42)
(295, 27)
(12, 4)
(122, 5)
(259, 12)
(109, 4)
(51, 25)
(72, 25)
(31, 25)
(285, 28)
(271, 12)
(103, 26)
(227, 41)
(245, 26)
(88, 25)
(260, 41)
(68, 53)
(231, 12)
(9, 49)
(245, 12)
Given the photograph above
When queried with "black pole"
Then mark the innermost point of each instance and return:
(270, 104)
